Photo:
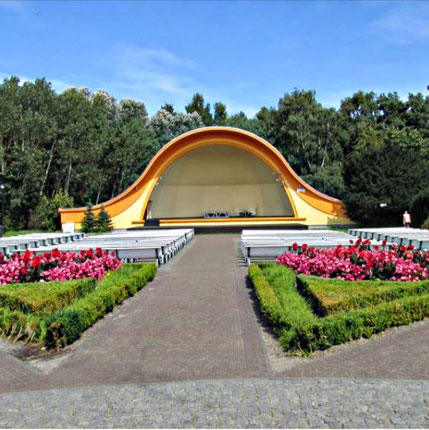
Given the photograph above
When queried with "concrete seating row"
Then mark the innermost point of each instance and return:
(397, 235)
(132, 246)
(12, 244)
(267, 245)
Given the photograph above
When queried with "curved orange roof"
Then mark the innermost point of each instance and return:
(215, 136)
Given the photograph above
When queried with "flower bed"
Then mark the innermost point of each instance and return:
(359, 261)
(55, 314)
(303, 322)
(56, 266)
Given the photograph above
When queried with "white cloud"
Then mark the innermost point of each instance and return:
(151, 72)
(405, 23)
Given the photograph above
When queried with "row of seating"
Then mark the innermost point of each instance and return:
(12, 244)
(398, 235)
(267, 245)
(133, 245)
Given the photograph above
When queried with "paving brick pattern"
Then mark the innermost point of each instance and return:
(250, 403)
(402, 353)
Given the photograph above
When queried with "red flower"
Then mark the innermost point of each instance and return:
(402, 248)
(295, 246)
(367, 242)
(99, 251)
(55, 253)
(376, 248)
(27, 255)
(46, 254)
(304, 247)
(410, 247)
(384, 242)
(36, 262)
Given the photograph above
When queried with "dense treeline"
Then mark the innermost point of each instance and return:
(79, 147)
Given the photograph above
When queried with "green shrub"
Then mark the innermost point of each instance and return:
(329, 296)
(295, 308)
(20, 326)
(269, 303)
(41, 298)
(88, 222)
(366, 307)
(67, 325)
(344, 327)
(103, 224)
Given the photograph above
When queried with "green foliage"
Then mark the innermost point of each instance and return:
(420, 208)
(268, 300)
(330, 296)
(382, 174)
(354, 310)
(89, 222)
(37, 298)
(19, 326)
(46, 216)
(20, 232)
(203, 110)
(92, 147)
(344, 327)
(296, 309)
(59, 315)
(220, 114)
(103, 224)
(68, 324)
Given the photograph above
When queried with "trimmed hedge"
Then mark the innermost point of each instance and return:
(19, 326)
(67, 325)
(300, 330)
(295, 309)
(344, 327)
(41, 298)
(330, 296)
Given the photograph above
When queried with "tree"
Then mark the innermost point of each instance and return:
(169, 108)
(88, 223)
(220, 114)
(310, 138)
(167, 126)
(203, 110)
(103, 223)
(132, 110)
(392, 172)
(46, 216)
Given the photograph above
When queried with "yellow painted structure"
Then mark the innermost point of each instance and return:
(218, 169)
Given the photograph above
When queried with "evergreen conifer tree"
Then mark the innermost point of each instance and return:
(88, 223)
(103, 223)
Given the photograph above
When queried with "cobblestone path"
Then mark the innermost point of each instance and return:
(254, 403)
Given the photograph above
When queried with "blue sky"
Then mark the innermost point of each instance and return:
(245, 54)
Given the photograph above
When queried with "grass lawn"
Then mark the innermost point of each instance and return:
(341, 230)
(55, 314)
(310, 313)
(9, 233)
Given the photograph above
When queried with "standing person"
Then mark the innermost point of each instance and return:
(406, 219)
